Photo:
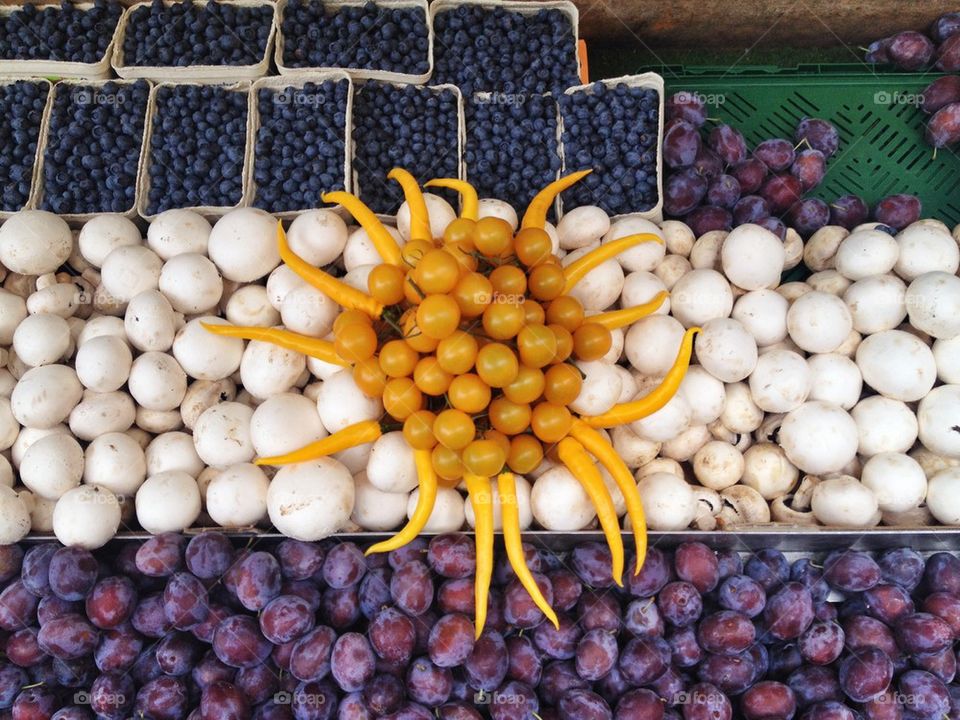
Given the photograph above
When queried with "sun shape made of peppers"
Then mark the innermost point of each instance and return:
(468, 340)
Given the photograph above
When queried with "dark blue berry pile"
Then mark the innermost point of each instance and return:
(363, 36)
(93, 149)
(21, 110)
(185, 34)
(482, 49)
(613, 131)
(300, 150)
(197, 147)
(62, 33)
(511, 149)
(408, 126)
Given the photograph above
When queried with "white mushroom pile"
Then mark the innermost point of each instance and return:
(832, 401)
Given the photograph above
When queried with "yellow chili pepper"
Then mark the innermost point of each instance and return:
(597, 446)
(419, 219)
(336, 290)
(481, 499)
(351, 436)
(575, 271)
(536, 214)
(311, 346)
(470, 206)
(573, 455)
(507, 490)
(382, 240)
(427, 497)
(658, 397)
(614, 319)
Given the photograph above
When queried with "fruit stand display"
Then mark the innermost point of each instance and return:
(370, 360)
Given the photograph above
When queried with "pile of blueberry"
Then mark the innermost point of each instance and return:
(491, 49)
(614, 131)
(362, 36)
(300, 145)
(197, 147)
(63, 33)
(93, 148)
(412, 127)
(21, 110)
(511, 150)
(186, 33)
(171, 629)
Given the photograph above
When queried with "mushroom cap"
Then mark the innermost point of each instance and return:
(819, 437)
(943, 496)
(34, 242)
(843, 501)
(177, 232)
(668, 501)
(311, 500)
(87, 516)
(752, 257)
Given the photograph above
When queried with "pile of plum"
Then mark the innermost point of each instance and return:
(206, 629)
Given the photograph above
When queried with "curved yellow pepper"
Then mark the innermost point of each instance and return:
(310, 346)
(419, 219)
(614, 319)
(382, 240)
(427, 486)
(575, 271)
(481, 499)
(470, 205)
(351, 436)
(536, 214)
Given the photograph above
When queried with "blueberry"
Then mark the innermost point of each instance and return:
(197, 147)
(300, 145)
(614, 132)
(412, 127)
(103, 121)
(367, 36)
(186, 34)
(69, 34)
(21, 107)
(486, 49)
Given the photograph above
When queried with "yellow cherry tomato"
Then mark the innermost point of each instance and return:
(537, 345)
(563, 383)
(438, 316)
(533, 312)
(418, 430)
(454, 429)
(369, 377)
(497, 365)
(469, 393)
(509, 417)
(532, 246)
(565, 311)
(564, 342)
(397, 359)
(463, 253)
(509, 281)
(430, 377)
(483, 457)
(591, 341)
(402, 398)
(355, 342)
(413, 336)
(526, 453)
(550, 422)
(457, 353)
(385, 284)
(460, 231)
(414, 251)
(473, 294)
(348, 317)
(546, 282)
(437, 272)
(411, 292)
(446, 464)
(526, 387)
(499, 438)
(503, 320)
(493, 236)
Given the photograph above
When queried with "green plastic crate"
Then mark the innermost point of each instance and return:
(882, 149)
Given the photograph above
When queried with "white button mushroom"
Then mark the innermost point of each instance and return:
(752, 257)
(284, 423)
(679, 237)
(600, 388)
(34, 242)
(9, 427)
(28, 436)
(652, 344)
(896, 479)
(375, 510)
(834, 378)
(897, 364)
(764, 314)
(877, 303)
(582, 226)
(866, 252)
(672, 269)
(684, 446)
(830, 282)
(767, 470)
(726, 350)
(642, 287)
(706, 250)
(116, 462)
(318, 236)
(780, 382)
(440, 212)
(87, 517)
(191, 282)
(819, 322)
(173, 451)
(559, 502)
(645, 256)
(13, 310)
(492, 207)
(177, 232)
(168, 502)
(42, 340)
(821, 249)
(933, 304)
(668, 501)
(206, 356)
(718, 465)
(237, 497)
(157, 382)
(100, 413)
(599, 288)
(667, 422)
(280, 282)
(250, 306)
(843, 501)
(45, 396)
(99, 325)
(926, 248)
(819, 437)
(150, 322)
(222, 434)
(740, 413)
(699, 296)
(391, 467)
(632, 449)
(267, 369)
(128, 271)
(158, 421)
(939, 417)
(942, 496)
(308, 311)
(100, 235)
(311, 500)
(360, 250)
(946, 353)
(14, 517)
(243, 244)
(705, 394)
(52, 465)
(62, 299)
(341, 403)
(447, 514)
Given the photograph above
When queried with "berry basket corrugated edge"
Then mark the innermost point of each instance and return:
(524, 7)
(99, 70)
(646, 80)
(357, 73)
(44, 119)
(461, 135)
(280, 82)
(192, 73)
(45, 136)
(143, 176)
